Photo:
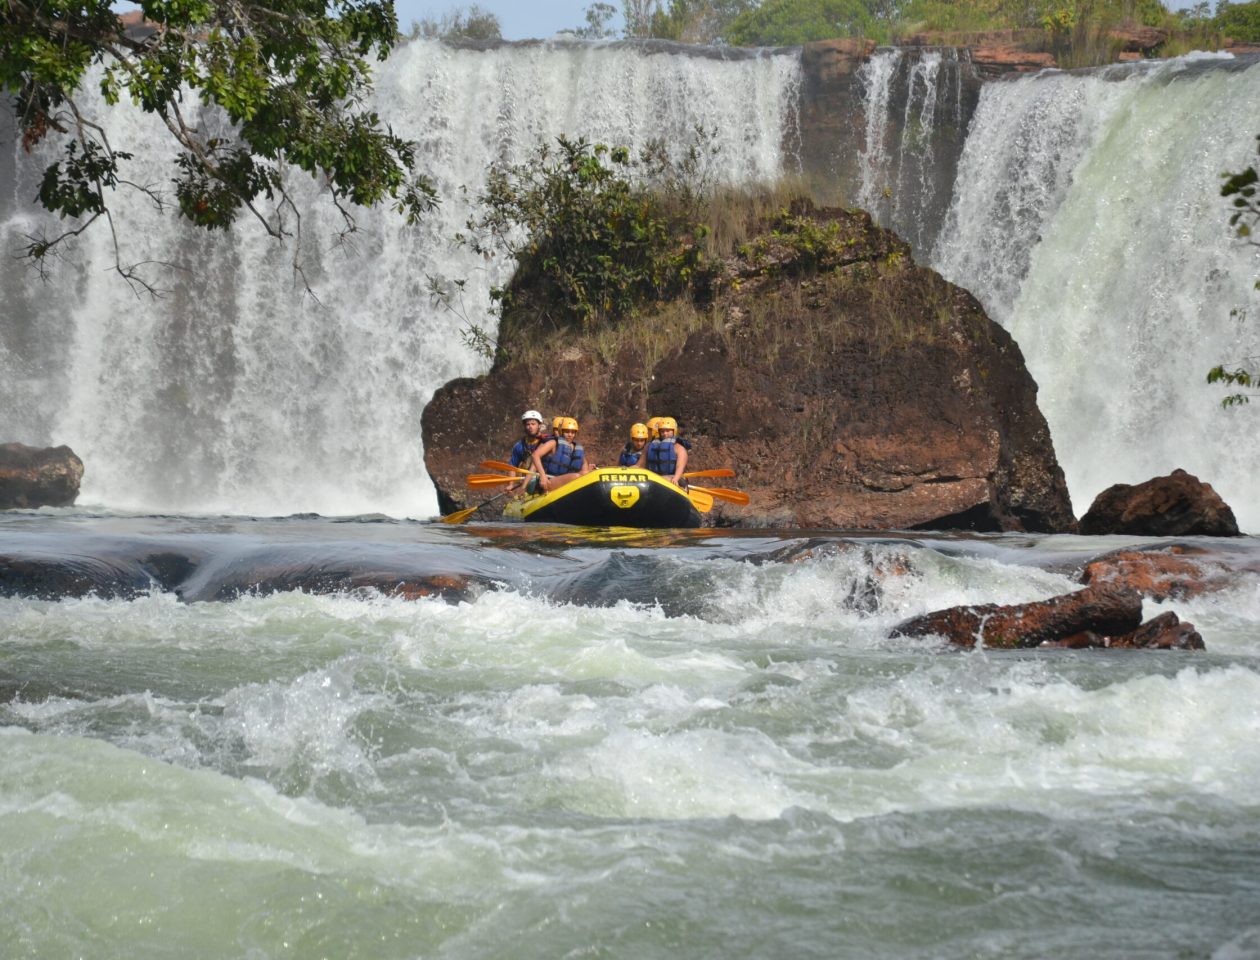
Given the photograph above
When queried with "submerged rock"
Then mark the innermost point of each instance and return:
(847, 386)
(1178, 505)
(38, 476)
(1168, 572)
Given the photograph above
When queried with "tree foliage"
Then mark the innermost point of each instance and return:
(288, 76)
(473, 23)
(599, 18)
(792, 22)
(596, 232)
(1244, 190)
(1239, 20)
(698, 21)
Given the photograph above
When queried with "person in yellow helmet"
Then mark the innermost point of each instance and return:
(653, 425)
(633, 449)
(666, 455)
(561, 458)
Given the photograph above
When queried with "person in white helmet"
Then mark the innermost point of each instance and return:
(523, 453)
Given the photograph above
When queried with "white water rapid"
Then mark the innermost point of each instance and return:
(236, 392)
(1087, 218)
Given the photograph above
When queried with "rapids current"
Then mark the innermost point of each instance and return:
(632, 745)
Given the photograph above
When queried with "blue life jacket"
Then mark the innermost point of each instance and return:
(566, 458)
(629, 456)
(662, 457)
(686, 444)
(524, 449)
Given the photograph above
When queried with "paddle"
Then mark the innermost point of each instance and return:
(700, 499)
(484, 480)
(459, 516)
(721, 493)
(500, 465)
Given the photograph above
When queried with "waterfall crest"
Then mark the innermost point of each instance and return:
(237, 393)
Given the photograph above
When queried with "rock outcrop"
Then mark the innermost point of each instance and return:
(847, 386)
(38, 476)
(1102, 610)
(1178, 505)
(1109, 616)
(1167, 572)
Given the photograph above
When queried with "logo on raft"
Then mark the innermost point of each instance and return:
(624, 497)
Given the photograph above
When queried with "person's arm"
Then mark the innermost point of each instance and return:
(515, 458)
(682, 461)
(541, 451)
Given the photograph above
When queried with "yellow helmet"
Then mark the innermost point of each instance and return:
(555, 422)
(654, 425)
(567, 423)
(667, 423)
(639, 432)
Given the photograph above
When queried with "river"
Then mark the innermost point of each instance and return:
(632, 745)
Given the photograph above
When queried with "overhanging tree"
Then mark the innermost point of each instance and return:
(290, 77)
(1244, 189)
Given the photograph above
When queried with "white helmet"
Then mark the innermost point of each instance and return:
(532, 415)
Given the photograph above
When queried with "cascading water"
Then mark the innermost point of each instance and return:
(916, 107)
(1088, 220)
(238, 393)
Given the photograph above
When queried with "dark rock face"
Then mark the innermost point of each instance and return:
(919, 140)
(1178, 505)
(38, 477)
(1165, 632)
(866, 393)
(1106, 610)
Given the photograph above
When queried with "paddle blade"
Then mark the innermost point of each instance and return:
(718, 472)
(700, 500)
(459, 516)
(721, 493)
(500, 465)
(491, 481)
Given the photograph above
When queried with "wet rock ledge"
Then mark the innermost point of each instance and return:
(33, 477)
(847, 386)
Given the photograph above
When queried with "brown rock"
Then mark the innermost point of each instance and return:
(1178, 505)
(994, 53)
(1104, 610)
(1165, 632)
(38, 476)
(1137, 38)
(857, 391)
(1175, 571)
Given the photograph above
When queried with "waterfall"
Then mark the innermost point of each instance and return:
(1087, 218)
(1081, 208)
(237, 392)
(916, 108)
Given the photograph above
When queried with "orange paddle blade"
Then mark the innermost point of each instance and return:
(484, 481)
(721, 493)
(700, 499)
(500, 465)
(717, 472)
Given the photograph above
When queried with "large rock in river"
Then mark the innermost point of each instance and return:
(38, 476)
(848, 386)
(1178, 505)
